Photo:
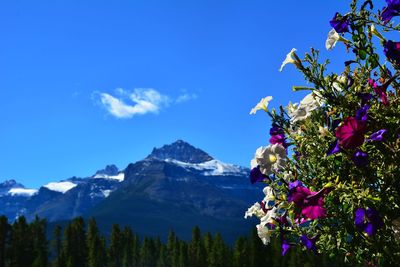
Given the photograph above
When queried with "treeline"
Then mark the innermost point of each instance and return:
(24, 244)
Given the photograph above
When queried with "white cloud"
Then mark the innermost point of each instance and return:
(138, 102)
(125, 104)
(185, 97)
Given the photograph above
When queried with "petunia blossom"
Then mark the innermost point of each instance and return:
(392, 51)
(340, 23)
(291, 58)
(309, 243)
(360, 158)
(351, 133)
(368, 220)
(378, 136)
(362, 113)
(262, 105)
(392, 10)
(270, 158)
(256, 175)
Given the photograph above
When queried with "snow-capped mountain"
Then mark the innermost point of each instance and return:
(178, 184)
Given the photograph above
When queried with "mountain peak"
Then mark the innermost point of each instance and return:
(10, 183)
(181, 151)
(108, 170)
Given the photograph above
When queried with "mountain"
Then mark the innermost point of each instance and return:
(176, 187)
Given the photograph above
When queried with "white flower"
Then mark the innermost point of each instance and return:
(264, 233)
(269, 158)
(332, 39)
(263, 104)
(375, 32)
(290, 58)
(309, 103)
(269, 193)
(254, 210)
(341, 81)
(323, 131)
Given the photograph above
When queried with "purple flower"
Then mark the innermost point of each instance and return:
(285, 247)
(278, 139)
(392, 50)
(362, 113)
(256, 175)
(276, 130)
(392, 10)
(333, 148)
(365, 97)
(340, 23)
(368, 220)
(309, 243)
(351, 133)
(378, 136)
(360, 158)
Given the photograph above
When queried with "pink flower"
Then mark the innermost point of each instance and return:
(351, 133)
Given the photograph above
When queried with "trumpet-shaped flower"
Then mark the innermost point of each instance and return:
(378, 136)
(291, 58)
(309, 243)
(332, 39)
(340, 23)
(392, 10)
(256, 175)
(351, 133)
(263, 104)
(264, 233)
(368, 220)
(309, 103)
(270, 158)
(254, 210)
(360, 158)
(392, 51)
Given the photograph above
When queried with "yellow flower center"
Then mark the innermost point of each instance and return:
(272, 158)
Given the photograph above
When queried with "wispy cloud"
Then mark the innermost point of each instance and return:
(126, 104)
(185, 97)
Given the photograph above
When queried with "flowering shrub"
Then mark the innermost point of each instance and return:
(332, 168)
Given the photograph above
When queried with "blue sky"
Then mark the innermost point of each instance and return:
(88, 83)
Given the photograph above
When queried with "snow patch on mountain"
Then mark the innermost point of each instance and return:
(22, 192)
(212, 168)
(61, 187)
(120, 176)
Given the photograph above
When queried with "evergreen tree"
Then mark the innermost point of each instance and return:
(5, 231)
(74, 247)
(218, 257)
(97, 254)
(208, 246)
(240, 257)
(148, 253)
(183, 258)
(256, 248)
(115, 251)
(196, 249)
(21, 249)
(131, 249)
(39, 242)
(172, 250)
(59, 260)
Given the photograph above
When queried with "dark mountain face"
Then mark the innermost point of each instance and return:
(180, 151)
(7, 185)
(176, 187)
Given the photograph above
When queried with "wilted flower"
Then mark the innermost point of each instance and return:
(368, 220)
(263, 104)
(270, 158)
(351, 133)
(292, 58)
(392, 10)
(340, 23)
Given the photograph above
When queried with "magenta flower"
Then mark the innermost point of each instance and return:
(310, 203)
(380, 91)
(368, 220)
(277, 136)
(340, 23)
(392, 10)
(351, 133)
